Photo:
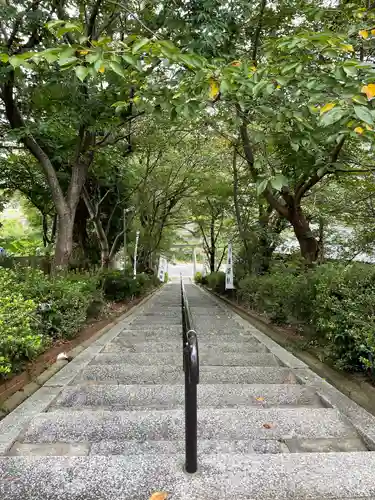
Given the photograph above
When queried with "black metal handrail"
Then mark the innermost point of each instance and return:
(191, 369)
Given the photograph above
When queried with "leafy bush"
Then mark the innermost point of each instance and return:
(335, 302)
(35, 309)
(198, 278)
(118, 287)
(216, 281)
(19, 341)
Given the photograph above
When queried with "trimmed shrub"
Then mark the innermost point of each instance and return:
(335, 302)
(216, 281)
(117, 287)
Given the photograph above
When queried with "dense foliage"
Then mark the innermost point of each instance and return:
(36, 310)
(333, 305)
(244, 121)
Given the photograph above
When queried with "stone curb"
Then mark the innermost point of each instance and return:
(333, 397)
(29, 389)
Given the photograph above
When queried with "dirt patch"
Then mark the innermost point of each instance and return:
(42, 362)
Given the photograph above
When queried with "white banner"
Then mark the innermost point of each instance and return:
(229, 281)
(135, 254)
(162, 268)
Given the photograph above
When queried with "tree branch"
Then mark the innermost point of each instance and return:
(91, 24)
(314, 179)
(258, 32)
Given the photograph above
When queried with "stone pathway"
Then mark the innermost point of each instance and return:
(110, 425)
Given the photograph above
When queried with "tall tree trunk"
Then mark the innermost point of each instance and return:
(213, 246)
(64, 241)
(308, 243)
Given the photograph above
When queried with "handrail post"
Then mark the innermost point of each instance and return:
(191, 370)
(190, 426)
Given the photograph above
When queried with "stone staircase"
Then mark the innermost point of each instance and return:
(110, 425)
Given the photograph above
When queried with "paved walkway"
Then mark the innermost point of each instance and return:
(110, 425)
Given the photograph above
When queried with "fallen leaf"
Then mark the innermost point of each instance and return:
(214, 88)
(267, 426)
(260, 399)
(363, 33)
(359, 130)
(327, 107)
(159, 495)
(369, 90)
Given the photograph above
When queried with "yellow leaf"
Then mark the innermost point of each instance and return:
(278, 86)
(372, 32)
(101, 69)
(214, 88)
(359, 130)
(346, 47)
(159, 495)
(369, 90)
(260, 399)
(83, 52)
(327, 107)
(254, 68)
(235, 63)
(363, 33)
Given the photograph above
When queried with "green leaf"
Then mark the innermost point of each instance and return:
(116, 68)
(364, 114)
(53, 24)
(259, 87)
(360, 99)
(224, 86)
(279, 181)
(332, 116)
(4, 58)
(15, 61)
(350, 70)
(262, 186)
(67, 28)
(67, 56)
(130, 59)
(93, 57)
(81, 72)
(138, 45)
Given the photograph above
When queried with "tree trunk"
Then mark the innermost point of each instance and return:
(64, 241)
(307, 242)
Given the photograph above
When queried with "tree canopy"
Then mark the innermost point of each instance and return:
(249, 119)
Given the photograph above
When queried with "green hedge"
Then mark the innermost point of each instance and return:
(200, 279)
(333, 303)
(118, 287)
(216, 281)
(36, 309)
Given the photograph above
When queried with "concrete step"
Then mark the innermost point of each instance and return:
(133, 397)
(211, 357)
(132, 374)
(218, 424)
(156, 448)
(316, 476)
(140, 344)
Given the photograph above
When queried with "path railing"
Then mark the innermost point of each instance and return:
(191, 369)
